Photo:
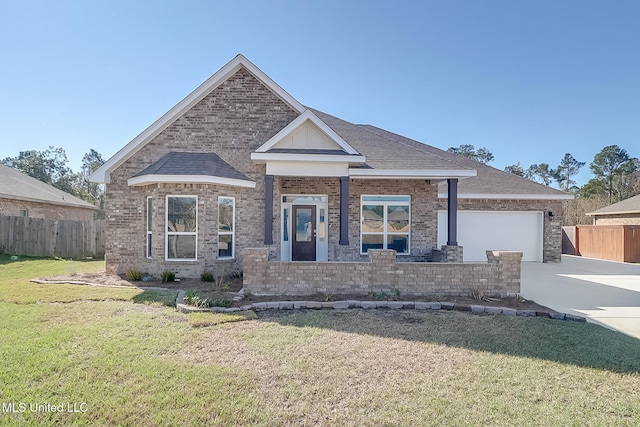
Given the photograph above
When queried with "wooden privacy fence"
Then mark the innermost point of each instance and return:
(611, 242)
(47, 237)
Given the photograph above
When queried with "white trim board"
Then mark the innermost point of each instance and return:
(188, 179)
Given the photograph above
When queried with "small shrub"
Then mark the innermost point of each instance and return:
(134, 275)
(382, 295)
(206, 276)
(192, 297)
(168, 276)
(221, 302)
(396, 294)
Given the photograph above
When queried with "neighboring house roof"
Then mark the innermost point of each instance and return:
(16, 185)
(627, 206)
(191, 168)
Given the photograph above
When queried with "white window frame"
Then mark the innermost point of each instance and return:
(23, 213)
(149, 221)
(385, 232)
(231, 233)
(178, 233)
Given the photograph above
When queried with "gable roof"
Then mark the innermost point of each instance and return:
(102, 173)
(191, 168)
(16, 185)
(369, 152)
(627, 206)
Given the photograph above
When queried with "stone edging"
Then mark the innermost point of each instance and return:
(367, 305)
(340, 305)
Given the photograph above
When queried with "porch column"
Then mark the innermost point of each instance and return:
(268, 209)
(452, 211)
(344, 210)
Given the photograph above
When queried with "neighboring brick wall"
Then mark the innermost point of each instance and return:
(11, 207)
(232, 121)
(626, 219)
(552, 228)
(499, 277)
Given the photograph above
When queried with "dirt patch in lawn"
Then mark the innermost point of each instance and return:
(233, 285)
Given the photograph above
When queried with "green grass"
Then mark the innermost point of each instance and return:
(211, 319)
(15, 285)
(141, 364)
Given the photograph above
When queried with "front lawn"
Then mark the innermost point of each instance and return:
(140, 364)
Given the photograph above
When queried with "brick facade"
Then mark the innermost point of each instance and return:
(12, 207)
(499, 277)
(232, 121)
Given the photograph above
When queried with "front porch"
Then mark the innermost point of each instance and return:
(499, 277)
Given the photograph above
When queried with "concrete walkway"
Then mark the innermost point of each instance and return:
(605, 292)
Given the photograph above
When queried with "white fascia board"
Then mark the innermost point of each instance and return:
(299, 122)
(613, 213)
(510, 196)
(312, 158)
(316, 169)
(411, 173)
(101, 175)
(188, 179)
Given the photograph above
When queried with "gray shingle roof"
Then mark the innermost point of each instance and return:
(387, 150)
(630, 205)
(180, 163)
(16, 185)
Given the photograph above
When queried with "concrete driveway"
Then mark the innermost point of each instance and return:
(604, 292)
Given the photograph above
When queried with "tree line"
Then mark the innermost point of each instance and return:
(51, 166)
(616, 176)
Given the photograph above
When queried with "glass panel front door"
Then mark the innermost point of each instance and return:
(303, 245)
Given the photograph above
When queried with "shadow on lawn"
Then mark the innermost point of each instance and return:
(581, 344)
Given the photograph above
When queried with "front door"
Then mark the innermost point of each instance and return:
(303, 245)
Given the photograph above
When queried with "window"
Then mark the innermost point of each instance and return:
(149, 222)
(23, 212)
(385, 223)
(182, 228)
(226, 227)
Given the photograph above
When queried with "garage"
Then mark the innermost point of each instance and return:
(479, 231)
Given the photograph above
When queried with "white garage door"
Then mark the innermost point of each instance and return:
(479, 231)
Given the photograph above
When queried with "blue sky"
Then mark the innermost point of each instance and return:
(529, 80)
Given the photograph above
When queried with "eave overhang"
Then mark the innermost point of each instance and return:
(507, 196)
(188, 179)
(434, 175)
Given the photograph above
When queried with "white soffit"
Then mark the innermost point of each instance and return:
(318, 169)
(305, 119)
(102, 173)
(188, 179)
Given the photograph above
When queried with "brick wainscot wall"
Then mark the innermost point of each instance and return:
(499, 277)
